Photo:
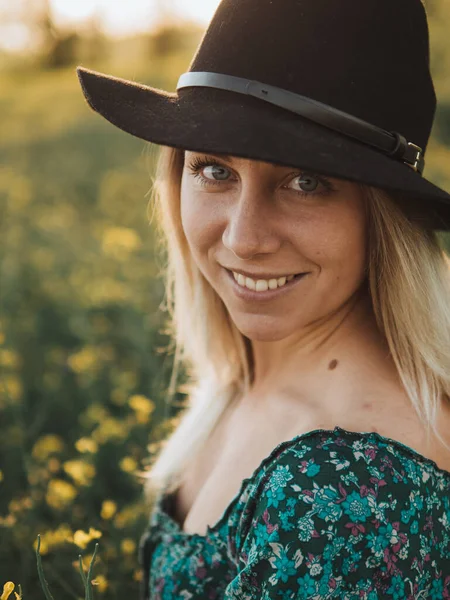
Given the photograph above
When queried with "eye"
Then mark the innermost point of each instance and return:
(216, 171)
(211, 168)
(309, 184)
(210, 172)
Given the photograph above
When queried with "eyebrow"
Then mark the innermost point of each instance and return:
(225, 157)
(228, 158)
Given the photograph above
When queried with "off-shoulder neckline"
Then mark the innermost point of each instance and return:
(366, 435)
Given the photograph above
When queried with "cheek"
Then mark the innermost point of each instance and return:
(337, 245)
(199, 220)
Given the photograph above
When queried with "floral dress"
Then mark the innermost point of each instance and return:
(328, 514)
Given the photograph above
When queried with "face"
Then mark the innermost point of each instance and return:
(266, 222)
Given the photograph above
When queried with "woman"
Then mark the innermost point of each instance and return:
(309, 298)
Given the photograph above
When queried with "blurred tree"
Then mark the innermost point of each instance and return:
(63, 51)
(59, 48)
(431, 6)
(165, 40)
(169, 33)
(53, 46)
(165, 11)
(94, 45)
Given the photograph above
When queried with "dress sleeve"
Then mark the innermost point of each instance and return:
(323, 521)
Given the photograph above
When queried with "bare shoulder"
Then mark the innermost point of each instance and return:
(399, 421)
(246, 436)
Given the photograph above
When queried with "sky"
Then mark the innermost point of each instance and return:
(116, 17)
(132, 15)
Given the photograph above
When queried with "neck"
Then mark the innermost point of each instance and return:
(333, 357)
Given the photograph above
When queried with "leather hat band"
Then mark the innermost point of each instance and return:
(391, 143)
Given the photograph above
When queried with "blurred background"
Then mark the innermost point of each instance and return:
(84, 360)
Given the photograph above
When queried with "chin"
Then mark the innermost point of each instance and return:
(273, 336)
(261, 329)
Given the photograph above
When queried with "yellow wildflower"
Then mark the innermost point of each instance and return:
(109, 508)
(84, 360)
(110, 429)
(128, 464)
(8, 588)
(86, 445)
(12, 387)
(46, 445)
(127, 516)
(119, 241)
(81, 472)
(60, 493)
(82, 539)
(142, 406)
(94, 414)
(128, 546)
(101, 582)
(20, 504)
(8, 521)
(10, 358)
(54, 538)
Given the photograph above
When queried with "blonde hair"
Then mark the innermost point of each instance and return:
(408, 282)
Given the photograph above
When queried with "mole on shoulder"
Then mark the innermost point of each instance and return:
(332, 365)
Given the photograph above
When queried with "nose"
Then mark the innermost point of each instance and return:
(250, 227)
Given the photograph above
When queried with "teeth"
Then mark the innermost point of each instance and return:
(261, 285)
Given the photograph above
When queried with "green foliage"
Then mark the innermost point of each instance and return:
(84, 360)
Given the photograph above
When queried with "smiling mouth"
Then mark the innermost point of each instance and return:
(264, 287)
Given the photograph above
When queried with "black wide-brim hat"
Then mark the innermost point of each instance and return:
(336, 88)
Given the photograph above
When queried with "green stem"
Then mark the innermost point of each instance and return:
(83, 576)
(41, 571)
(89, 595)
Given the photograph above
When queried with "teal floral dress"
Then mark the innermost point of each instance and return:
(328, 514)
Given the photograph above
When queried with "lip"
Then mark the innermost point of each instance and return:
(253, 296)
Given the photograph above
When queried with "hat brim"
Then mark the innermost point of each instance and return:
(211, 120)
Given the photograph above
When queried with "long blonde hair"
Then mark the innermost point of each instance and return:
(409, 287)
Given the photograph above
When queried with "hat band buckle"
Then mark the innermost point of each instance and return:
(418, 158)
(323, 114)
